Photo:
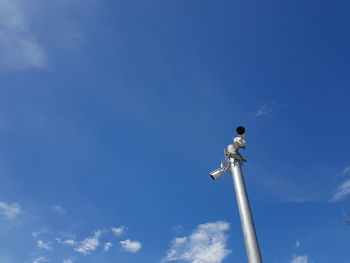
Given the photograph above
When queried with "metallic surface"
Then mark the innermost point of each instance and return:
(250, 239)
(216, 173)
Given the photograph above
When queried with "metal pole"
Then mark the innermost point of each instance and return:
(250, 239)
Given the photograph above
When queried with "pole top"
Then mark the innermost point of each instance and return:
(238, 143)
(240, 130)
(232, 154)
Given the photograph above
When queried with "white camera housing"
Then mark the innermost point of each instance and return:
(239, 141)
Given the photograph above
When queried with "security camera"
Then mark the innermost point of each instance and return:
(239, 141)
(240, 130)
(216, 173)
(231, 152)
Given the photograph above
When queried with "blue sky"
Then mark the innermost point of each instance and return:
(112, 114)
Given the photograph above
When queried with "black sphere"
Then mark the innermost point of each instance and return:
(240, 130)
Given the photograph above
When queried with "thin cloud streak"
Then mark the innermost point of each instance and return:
(267, 108)
(43, 245)
(263, 110)
(346, 171)
(40, 260)
(59, 209)
(18, 46)
(88, 245)
(10, 211)
(342, 192)
(69, 242)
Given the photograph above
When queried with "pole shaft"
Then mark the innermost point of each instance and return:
(250, 239)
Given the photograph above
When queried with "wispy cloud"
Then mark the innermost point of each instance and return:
(297, 243)
(207, 244)
(263, 110)
(342, 191)
(9, 211)
(43, 245)
(300, 259)
(59, 210)
(36, 234)
(89, 244)
(69, 242)
(131, 246)
(18, 45)
(40, 260)
(107, 246)
(267, 108)
(346, 171)
(118, 231)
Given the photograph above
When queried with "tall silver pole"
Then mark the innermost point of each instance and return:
(250, 239)
(232, 162)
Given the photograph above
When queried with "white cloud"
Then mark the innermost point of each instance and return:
(70, 242)
(268, 108)
(107, 246)
(263, 110)
(18, 46)
(59, 209)
(67, 260)
(342, 191)
(206, 244)
(89, 244)
(297, 243)
(9, 211)
(118, 231)
(131, 246)
(40, 260)
(43, 245)
(300, 259)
